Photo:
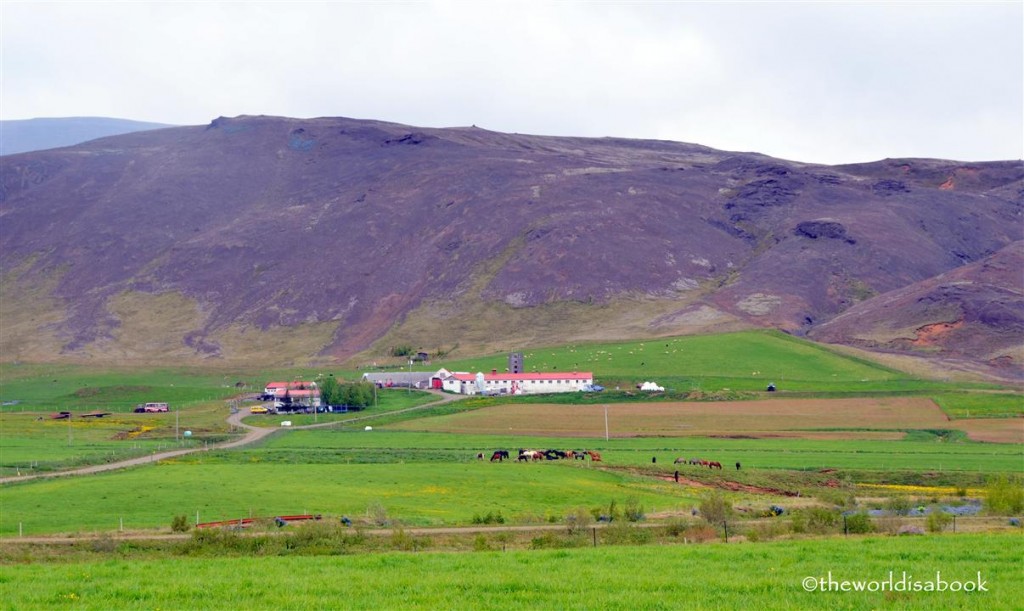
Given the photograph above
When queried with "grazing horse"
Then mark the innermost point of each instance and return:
(554, 454)
(679, 461)
(594, 456)
(530, 455)
(694, 461)
(580, 455)
(479, 455)
(705, 463)
(499, 455)
(714, 465)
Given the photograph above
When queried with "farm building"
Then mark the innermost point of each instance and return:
(495, 383)
(298, 391)
(407, 379)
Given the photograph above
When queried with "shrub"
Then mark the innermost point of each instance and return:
(1004, 496)
(103, 544)
(480, 543)
(675, 527)
(180, 524)
(403, 541)
(377, 514)
(490, 518)
(634, 510)
(551, 540)
(764, 531)
(937, 520)
(714, 508)
(401, 350)
(898, 505)
(613, 511)
(821, 520)
(859, 523)
(798, 523)
(890, 525)
(578, 521)
(624, 533)
(699, 534)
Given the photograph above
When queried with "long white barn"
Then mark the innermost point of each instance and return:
(516, 383)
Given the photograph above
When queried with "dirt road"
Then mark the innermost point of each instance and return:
(252, 435)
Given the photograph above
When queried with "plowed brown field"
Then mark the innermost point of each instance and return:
(874, 418)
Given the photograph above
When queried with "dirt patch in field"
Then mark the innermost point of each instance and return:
(862, 418)
(731, 486)
(994, 430)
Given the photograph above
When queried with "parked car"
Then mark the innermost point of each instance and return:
(258, 409)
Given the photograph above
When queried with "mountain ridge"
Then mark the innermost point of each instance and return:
(28, 135)
(360, 234)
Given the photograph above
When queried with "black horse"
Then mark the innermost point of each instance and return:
(499, 455)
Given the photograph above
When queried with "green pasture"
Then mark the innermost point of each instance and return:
(414, 493)
(751, 358)
(981, 405)
(709, 576)
(50, 388)
(733, 362)
(31, 442)
(780, 453)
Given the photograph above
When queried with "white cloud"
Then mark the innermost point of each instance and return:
(825, 82)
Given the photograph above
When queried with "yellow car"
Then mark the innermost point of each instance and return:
(258, 409)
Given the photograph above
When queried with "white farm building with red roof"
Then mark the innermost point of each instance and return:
(495, 383)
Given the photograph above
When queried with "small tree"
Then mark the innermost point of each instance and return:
(179, 524)
(1004, 496)
(714, 508)
(937, 520)
(330, 391)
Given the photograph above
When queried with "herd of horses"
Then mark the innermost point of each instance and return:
(532, 455)
(700, 462)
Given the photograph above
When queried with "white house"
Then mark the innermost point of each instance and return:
(495, 383)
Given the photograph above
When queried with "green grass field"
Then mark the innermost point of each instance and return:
(38, 388)
(435, 478)
(981, 405)
(709, 576)
(414, 493)
(428, 478)
(755, 453)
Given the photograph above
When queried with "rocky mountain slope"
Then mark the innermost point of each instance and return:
(280, 239)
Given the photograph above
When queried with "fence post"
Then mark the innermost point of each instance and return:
(595, 536)
(954, 522)
(726, 526)
(846, 531)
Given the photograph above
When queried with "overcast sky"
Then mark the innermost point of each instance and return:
(822, 82)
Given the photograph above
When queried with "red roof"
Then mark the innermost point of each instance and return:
(295, 384)
(525, 377)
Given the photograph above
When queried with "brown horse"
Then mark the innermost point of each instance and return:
(594, 456)
(714, 465)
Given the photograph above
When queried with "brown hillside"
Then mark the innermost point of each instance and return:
(283, 239)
